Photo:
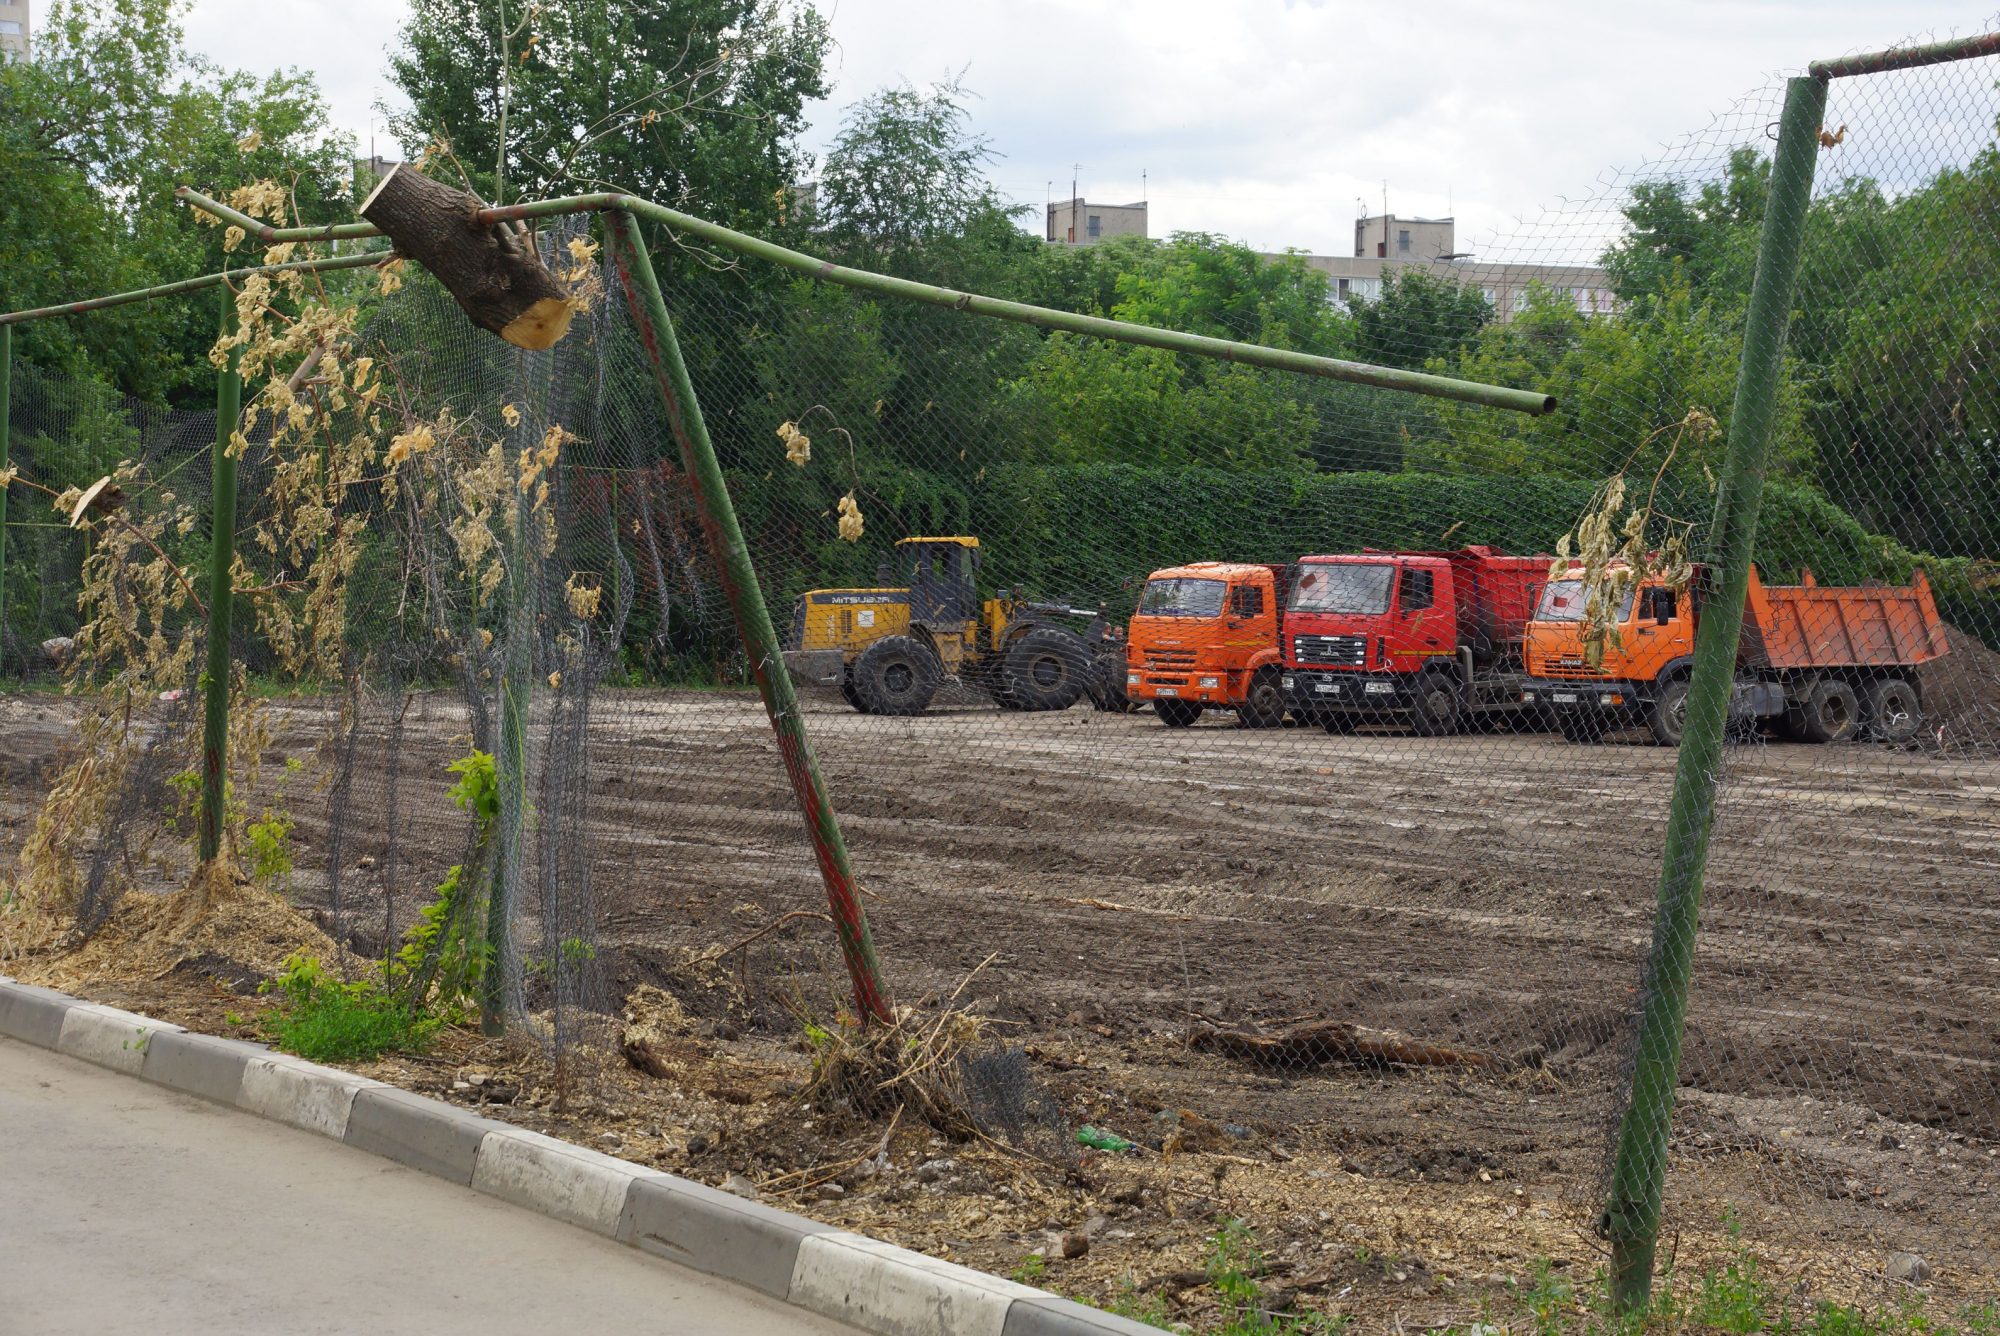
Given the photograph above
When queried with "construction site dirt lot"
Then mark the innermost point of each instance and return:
(1100, 887)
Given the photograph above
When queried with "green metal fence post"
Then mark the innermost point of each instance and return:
(6, 409)
(221, 559)
(511, 767)
(753, 618)
(1632, 1215)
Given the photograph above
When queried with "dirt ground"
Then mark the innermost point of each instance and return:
(1099, 885)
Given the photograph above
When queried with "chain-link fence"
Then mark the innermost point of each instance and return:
(1275, 764)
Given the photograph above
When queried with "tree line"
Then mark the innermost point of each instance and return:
(1886, 411)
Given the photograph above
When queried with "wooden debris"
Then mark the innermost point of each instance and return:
(1315, 1043)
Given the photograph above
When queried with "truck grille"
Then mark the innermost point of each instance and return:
(1169, 660)
(1346, 651)
(1568, 665)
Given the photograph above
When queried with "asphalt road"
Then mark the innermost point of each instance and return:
(127, 1208)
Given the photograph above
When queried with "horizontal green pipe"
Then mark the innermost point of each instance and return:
(266, 232)
(1228, 350)
(1907, 58)
(360, 261)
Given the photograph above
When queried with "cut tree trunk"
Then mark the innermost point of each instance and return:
(1317, 1042)
(493, 272)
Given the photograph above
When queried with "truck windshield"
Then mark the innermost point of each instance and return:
(1182, 598)
(1343, 587)
(1564, 600)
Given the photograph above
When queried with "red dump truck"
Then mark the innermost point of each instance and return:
(1823, 664)
(1427, 637)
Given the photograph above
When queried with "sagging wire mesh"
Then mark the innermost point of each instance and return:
(1294, 750)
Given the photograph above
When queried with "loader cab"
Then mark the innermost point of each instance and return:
(942, 575)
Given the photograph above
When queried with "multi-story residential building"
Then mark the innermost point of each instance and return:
(1385, 242)
(1077, 222)
(13, 30)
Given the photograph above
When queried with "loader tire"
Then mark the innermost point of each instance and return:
(1829, 712)
(1264, 703)
(896, 675)
(1106, 684)
(1176, 713)
(1045, 670)
(1895, 713)
(849, 694)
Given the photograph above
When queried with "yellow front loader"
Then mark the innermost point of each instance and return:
(889, 649)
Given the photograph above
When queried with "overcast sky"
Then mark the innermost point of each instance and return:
(1271, 121)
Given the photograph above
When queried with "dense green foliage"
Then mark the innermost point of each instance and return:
(1081, 463)
(96, 130)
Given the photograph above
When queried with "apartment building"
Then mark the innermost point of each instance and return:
(1386, 242)
(1077, 222)
(13, 30)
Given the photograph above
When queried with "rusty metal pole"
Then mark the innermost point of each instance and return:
(746, 600)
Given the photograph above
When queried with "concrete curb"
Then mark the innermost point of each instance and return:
(870, 1284)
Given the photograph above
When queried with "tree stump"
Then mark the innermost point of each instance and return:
(492, 272)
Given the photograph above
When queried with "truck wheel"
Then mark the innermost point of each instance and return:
(1435, 713)
(847, 691)
(896, 675)
(1829, 713)
(1578, 726)
(1894, 714)
(1045, 669)
(1264, 703)
(1176, 713)
(1667, 715)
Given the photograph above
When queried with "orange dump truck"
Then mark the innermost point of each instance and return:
(1823, 664)
(1206, 637)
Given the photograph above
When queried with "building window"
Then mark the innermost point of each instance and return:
(9, 28)
(1491, 296)
(1403, 241)
(1364, 289)
(1096, 225)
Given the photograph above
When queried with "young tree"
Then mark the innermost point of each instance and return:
(1418, 318)
(695, 103)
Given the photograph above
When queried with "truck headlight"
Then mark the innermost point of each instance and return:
(1131, 679)
(1527, 698)
(1287, 683)
(1211, 682)
(1608, 701)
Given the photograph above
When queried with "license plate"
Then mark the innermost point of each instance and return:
(1564, 697)
(1328, 688)
(1166, 691)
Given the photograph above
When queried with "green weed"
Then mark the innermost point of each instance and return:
(327, 1020)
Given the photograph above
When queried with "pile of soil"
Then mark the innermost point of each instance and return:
(1962, 695)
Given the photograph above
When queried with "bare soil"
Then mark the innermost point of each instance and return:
(1128, 882)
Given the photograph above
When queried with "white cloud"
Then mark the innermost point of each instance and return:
(1269, 120)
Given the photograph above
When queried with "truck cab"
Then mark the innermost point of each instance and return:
(1641, 676)
(1205, 636)
(1424, 636)
(1361, 630)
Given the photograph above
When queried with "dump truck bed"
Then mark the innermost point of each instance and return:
(1808, 626)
